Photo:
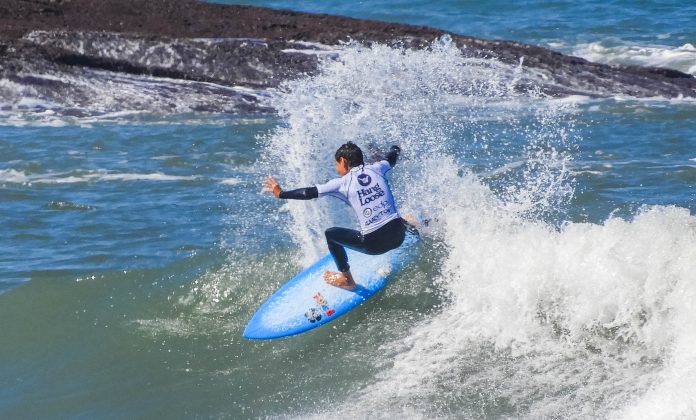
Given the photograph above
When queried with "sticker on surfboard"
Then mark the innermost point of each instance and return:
(314, 314)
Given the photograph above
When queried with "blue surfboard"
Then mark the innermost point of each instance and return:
(306, 301)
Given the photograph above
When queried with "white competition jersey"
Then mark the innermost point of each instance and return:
(366, 189)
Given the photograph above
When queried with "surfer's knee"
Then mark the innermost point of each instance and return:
(329, 233)
(337, 235)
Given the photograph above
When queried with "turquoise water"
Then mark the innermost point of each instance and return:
(556, 280)
(535, 22)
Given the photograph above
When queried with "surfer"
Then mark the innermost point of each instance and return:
(366, 190)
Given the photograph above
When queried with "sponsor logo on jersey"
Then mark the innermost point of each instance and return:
(377, 217)
(368, 195)
(364, 179)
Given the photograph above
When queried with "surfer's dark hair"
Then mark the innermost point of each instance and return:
(351, 153)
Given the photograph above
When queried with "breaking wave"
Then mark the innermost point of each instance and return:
(541, 316)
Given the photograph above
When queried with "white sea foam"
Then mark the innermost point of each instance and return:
(618, 295)
(314, 45)
(156, 176)
(541, 320)
(231, 181)
(20, 177)
(380, 94)
(311, 52)
(13, 176)
(313, 48)
(682, 58)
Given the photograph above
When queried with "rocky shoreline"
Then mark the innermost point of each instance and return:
(226, 55)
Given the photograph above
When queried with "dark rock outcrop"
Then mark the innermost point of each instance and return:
(224, 57)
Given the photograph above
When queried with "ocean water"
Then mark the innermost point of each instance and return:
(555, 281)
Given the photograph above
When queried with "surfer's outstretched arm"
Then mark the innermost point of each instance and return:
(274, 187)
(300, 194)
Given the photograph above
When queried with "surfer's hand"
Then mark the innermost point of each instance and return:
(272, 186)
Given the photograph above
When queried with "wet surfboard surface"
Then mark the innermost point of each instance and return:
(306, 301)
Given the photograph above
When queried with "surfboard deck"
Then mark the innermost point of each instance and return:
(306, 301)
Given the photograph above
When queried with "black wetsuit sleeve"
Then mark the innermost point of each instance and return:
(300, 194)
(393, 155)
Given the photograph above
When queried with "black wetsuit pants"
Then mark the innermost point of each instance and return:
(384, 239)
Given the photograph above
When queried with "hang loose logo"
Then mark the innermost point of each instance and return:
(364, 179)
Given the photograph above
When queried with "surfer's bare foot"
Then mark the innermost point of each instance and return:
(410, 218)
(339, 279)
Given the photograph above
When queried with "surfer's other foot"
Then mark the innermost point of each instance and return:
(339, 279)
(410, 218)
